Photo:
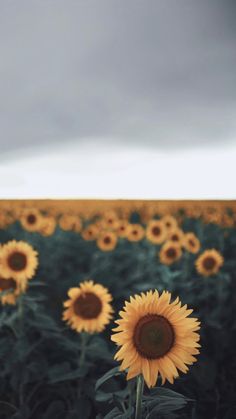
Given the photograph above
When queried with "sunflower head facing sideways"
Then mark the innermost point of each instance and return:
(88, 308)
(191, 243)
(107, 241)
(156, 337)
(18, 260)
(170, 253)
(209, 262)
(11, 289)
(170, 222)
(135, 232)
(70, 222)
(31, 219)
(48, 226)
(156, 231)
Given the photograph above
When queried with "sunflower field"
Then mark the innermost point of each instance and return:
(123, 312)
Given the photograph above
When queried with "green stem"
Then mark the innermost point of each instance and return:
(139, 394)
(21, 314)
(84, 339)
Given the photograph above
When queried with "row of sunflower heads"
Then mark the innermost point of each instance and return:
(18, 264)
(156, 336)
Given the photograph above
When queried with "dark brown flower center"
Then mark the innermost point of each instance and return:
(192, 243)
(88, 306)
(153, 336)
(171, 253)
(107, 240)
(7, 284)
(175, 237)
(135, 232)
(156, 231)
(31, 219)
(168, 224)
(209, 263)
(17, 261)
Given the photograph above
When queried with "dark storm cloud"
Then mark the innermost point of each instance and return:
(159, 71)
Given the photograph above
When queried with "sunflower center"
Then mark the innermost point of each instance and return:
(135, 232)
(107, 240)
(7, 284)
(209, 263)
(153, 336)
(156, 231)
(31, 219)
(192, 243)
(175, 237)
(171, 252)
(88, 306)
(17, 261)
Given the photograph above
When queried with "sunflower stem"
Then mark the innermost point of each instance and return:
(139, 395)
(84, 339)
(21, 314)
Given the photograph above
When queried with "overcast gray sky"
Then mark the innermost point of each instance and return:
(158, 72)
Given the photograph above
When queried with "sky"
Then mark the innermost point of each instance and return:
(143, 84)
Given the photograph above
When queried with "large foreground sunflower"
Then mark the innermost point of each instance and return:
(209, 262)
(170, 252)
(156, 231)
(156, 337)
(31, 219)
(12, 289)
(18, 260)
(88, 308)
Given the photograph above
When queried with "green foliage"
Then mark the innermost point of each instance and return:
(39, 355)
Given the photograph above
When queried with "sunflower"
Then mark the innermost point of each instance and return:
(176, 235)
(31, 219)
(91, 232)
(156, 231)
(135, 232)
(48, 226)
(18, 260)
(170, 253)
(107, 241)
(88, 308)
(156, 337)
(121, 228)
(209, 262)
(13, 288)
(109, 220)
(191, 243)
(170, 222)
(68, 222)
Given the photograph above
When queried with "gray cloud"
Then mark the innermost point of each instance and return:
(158, 71)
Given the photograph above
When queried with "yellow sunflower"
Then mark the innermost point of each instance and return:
(109, 220)
(176, 235)
(70, 222)
(209, 262)
(121, 228)
(170, 253)
(88, 308)
(170, 222)
(135, 232)
(156, 337)
(107, 241)
(14, 289)
(91, 232)
(31, 219)
(18, 260)
(191, 243)
(48, 226)
(156, 231)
